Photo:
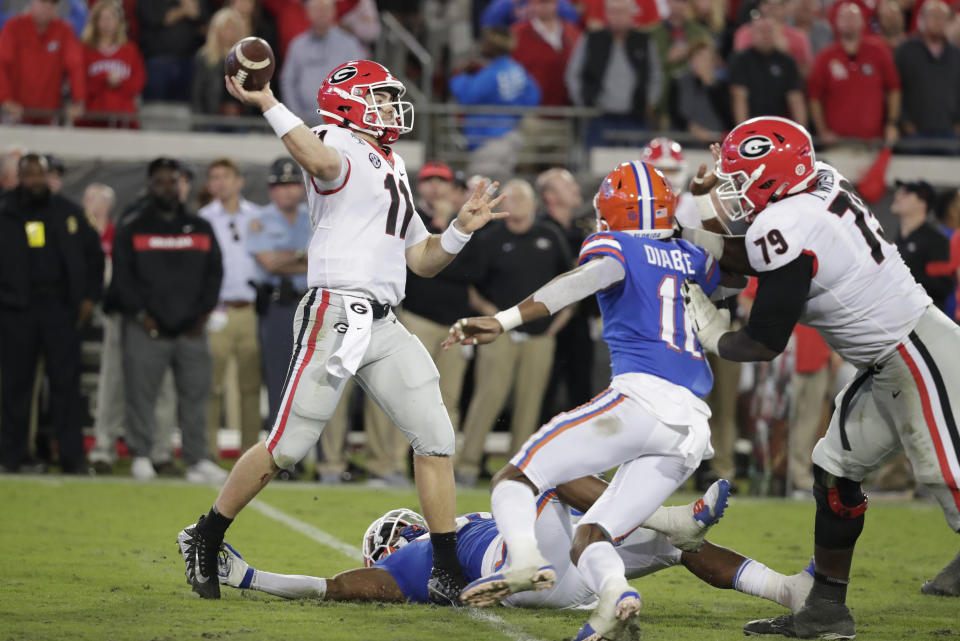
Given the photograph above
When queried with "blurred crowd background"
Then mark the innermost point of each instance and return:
(145, 314)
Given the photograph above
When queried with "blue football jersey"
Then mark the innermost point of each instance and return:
(644, 323)
(410, 565)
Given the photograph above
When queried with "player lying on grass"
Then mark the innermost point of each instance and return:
(397, 555)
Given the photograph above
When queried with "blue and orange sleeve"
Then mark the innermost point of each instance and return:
(601, 244)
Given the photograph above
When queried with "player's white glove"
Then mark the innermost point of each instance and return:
(708, 322)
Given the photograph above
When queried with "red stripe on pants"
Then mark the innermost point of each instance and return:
(311, 345)
(931, 425)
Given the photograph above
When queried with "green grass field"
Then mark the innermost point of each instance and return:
(96, 559)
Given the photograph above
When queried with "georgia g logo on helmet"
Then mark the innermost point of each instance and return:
(755, 147)
(342, 75)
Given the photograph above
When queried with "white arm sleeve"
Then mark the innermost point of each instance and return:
(594, 276)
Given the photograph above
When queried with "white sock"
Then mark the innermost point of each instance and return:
(599, 563)
(756, 579)
(289, 586)
(514, 508)
(664, 519)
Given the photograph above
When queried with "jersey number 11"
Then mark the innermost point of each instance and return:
(669, 297)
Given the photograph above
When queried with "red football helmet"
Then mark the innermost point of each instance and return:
(637, 199)
(761, 161)
(667, 156)
(346, 98)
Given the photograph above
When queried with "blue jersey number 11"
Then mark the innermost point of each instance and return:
(669, 296)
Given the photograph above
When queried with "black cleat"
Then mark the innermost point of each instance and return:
(821, 620)
(200, 556)
(444, 587)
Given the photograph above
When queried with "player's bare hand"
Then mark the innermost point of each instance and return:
(263, 99)
(478, 210)
(703, 182)
(478, 330)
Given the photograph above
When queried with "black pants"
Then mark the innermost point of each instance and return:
(47, 328)
(572, 366)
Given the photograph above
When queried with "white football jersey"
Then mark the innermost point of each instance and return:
(863, 299)
(363, 221)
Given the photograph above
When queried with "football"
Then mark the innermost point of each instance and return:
(251, 62)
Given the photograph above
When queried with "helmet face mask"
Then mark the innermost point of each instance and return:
(391, 532)
(348, 97)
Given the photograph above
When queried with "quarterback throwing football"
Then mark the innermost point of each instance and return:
(365, 235)
(821, 259)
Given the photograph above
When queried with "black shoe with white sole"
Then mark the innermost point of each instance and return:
(444, 587)
(819, 620)
(200, 557)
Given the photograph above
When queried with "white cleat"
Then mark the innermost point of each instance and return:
(206, 471)
(232, 569)
(494, 588)
(618, 604)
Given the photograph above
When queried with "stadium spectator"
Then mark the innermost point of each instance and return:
(55, 172)
(166, 277)
(113, 64)
(712, 16)
(948, 217)
(38, 51)
(542, 44)
(788, 39)
(919, 240)
(170, 32)
(890, 24)
(561, 204)
(313, 55)
(9, 159)
(506, 13)
(616, 69)
(703, 95)
(854, 86)
(278, 239)
(929, 69)
(74, 12)
(51, 274)
(233, 326)
(806, 15)
(494, 79)
(512, 258)
(673, 38)
(646, 15)
(290, 19)
(110, 417)
(810, 388)
(209, 94)
(765, 81)
(363, 21)
(261, 23)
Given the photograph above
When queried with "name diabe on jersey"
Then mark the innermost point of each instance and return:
(675, 259)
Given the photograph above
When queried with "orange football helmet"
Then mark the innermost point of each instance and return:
(637, 199)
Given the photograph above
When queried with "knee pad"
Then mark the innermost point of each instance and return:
(840, 510)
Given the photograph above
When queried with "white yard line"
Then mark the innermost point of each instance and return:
(351, 551)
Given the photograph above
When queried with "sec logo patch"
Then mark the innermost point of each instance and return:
(374, 160)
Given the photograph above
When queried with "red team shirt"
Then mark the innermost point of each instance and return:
(32, 65)
(125, 60)
(852, 89)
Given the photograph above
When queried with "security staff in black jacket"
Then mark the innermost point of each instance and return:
(167, 270)
(51, 274)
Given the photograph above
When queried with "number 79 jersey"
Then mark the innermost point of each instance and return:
(862, 299)
(363, 221)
